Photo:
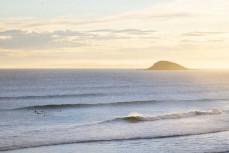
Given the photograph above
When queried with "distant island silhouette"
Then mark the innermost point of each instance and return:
(167, 65)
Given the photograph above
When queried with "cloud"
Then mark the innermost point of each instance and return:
(153, 13)
(124, 34)
(18, 39)
(207, 37)
(126, 31)
(201, 33)
(141, 15)
(186, 14)
(199, 41)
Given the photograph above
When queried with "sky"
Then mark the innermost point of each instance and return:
(113, 33)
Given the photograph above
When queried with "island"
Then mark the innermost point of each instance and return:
(167, 65)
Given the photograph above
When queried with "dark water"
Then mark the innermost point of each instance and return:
(114, 111)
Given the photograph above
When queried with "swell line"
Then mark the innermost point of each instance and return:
(136, 117)
(50, 96)
(113, 140)
(226, 151)
(87, 105)
(53, 106)
(151, 137)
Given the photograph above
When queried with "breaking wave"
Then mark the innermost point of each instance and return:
(136, 117)
(131, 118)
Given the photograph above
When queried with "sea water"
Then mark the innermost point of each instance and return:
(114, 111)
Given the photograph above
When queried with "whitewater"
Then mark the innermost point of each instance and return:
(114, 111)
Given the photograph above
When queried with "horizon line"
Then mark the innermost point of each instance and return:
(50, 68)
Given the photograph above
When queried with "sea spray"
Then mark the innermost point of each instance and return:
(137, 117)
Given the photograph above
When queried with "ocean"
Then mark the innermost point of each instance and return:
(114, 111)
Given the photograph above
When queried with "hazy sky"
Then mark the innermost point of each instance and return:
(113, 33)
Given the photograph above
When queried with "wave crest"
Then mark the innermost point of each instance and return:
(86, 105)
(136, 117)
